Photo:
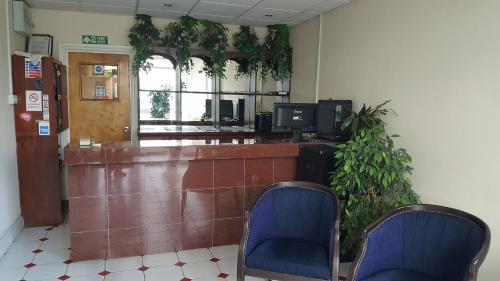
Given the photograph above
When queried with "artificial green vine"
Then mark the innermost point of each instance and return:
(143, 35)
(214, 39)
(277, 53)
(180, 35)
(246, 41)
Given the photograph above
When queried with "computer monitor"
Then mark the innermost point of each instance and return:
(226, 109)
(297, 117)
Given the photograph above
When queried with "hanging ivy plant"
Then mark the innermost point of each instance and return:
(214, 39)
(180, 35)
(143, 35)
(277, 52)
(246, 41)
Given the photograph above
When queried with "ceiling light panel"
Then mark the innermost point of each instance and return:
(177, 5)
(259, 13)
(107, 9)
(55, 5)
(211, 8)
(118, 3)
(294, 5)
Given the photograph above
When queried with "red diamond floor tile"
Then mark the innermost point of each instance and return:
(214, 259)
(64, 277)
(342, 278)
(223, 275)
(49, 229)
(185, 279)
(68, 261)
(180, 263)
(143, 268)
(30, 265)
(43, 239)
(37, 251)
(104, 273)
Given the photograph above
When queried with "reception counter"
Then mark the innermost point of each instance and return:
(163, 196)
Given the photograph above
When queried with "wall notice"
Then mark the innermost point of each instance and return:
(43, 128)
(33, 100)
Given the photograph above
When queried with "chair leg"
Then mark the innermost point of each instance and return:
(240, 275)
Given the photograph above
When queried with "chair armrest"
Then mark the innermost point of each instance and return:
(381, 248)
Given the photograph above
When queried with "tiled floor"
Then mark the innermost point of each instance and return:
(42, 253)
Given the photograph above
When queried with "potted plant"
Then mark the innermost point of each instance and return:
(160, 102)
(372, 175)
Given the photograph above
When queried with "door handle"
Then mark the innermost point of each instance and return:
(126, 129)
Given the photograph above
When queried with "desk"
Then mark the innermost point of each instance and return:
(162, 196)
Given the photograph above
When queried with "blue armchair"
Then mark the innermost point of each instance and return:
(291, 233)
(422, 243)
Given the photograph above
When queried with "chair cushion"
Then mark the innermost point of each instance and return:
(291, 256)
(399, 275)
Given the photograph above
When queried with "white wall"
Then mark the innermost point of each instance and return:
(439, 63)
(304, 38)
(10, 212)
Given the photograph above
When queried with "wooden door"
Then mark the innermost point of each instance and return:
(105, 120)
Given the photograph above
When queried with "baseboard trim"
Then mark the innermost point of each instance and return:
(10, 235)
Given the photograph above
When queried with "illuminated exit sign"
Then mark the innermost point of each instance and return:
(95, 40)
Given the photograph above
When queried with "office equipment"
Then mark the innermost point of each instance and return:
(263, 121)
(40, 114)
(316, 161)
(226, 109)
(331, 114)
(297, 117)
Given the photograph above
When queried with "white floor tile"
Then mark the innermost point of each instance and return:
(196, 255)
(37, 231)
(123, 264)
(228, 265)
(134, 275)
(24, 246)
(87, 278)
(165, 273)
(160, 259)
(52, 256)
(46, 271)
(13, 273)
(60, 243)
(16, 259)
(221, 252)
(86, 268)
(197, 270)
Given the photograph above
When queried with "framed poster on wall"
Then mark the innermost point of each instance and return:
(40, 44)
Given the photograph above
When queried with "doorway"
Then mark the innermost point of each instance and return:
(99, 97)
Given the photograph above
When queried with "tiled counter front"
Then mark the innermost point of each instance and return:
(137, 201)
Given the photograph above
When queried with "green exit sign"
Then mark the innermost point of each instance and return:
(95, 39)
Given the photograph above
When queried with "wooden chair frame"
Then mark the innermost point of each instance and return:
(243, 270)
(476, 261)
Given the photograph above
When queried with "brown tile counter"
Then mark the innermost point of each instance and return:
(128, 200)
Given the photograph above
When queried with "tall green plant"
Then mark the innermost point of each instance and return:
(246, 41)
(373, 177)
(142, 37)
(180, 35)
(160, 102)
(214, 39)
(366, 118)
(277, 53)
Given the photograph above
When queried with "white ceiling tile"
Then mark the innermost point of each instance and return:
(326, 6)
(300, 17)
(119, 3)
(238, 2)
(294, 5)
(254, 22)
(177, 5)
(290, 24)
(227, 10)
(258, 13)
(107, 9)
(55, 5)
(161, 13)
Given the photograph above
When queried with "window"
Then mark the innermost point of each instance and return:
(155, 100)
(196, 94)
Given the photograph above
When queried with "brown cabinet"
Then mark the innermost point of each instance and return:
(40, 114)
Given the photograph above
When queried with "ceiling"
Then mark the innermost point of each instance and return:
(243, 12)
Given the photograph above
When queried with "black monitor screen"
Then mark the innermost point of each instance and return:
(295, 115)
(226, 108)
